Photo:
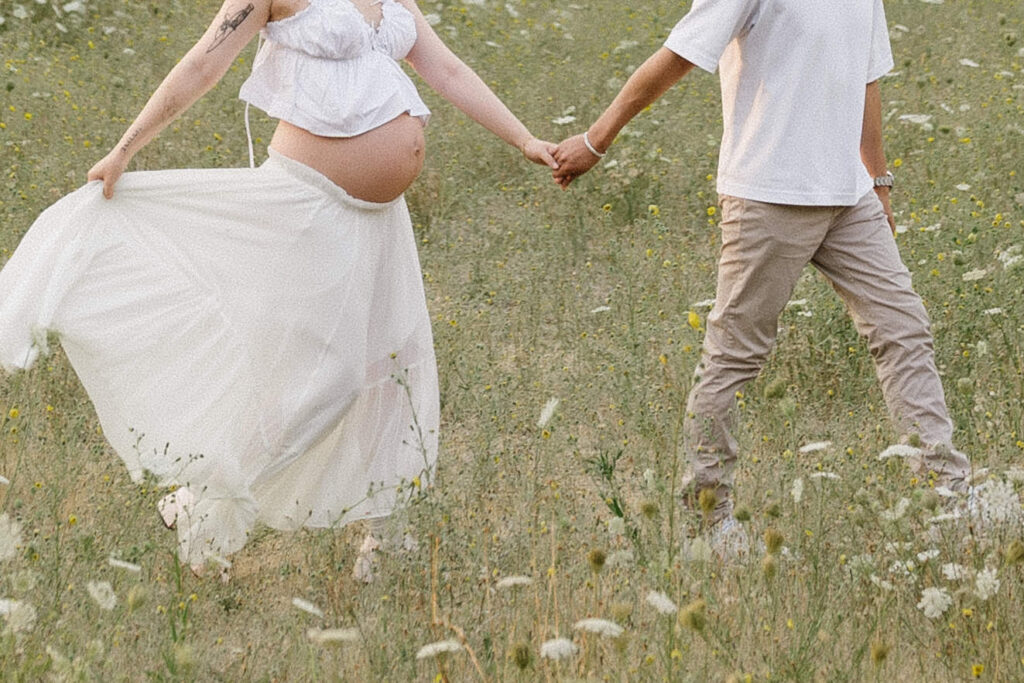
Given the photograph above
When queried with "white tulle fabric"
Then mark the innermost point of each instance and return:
(326, 69)
(257, 335)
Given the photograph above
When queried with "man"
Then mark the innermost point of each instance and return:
(802, 179)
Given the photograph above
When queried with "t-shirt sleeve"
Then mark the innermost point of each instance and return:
(707, 29)
(881, 61)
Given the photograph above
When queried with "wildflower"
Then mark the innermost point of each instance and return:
(601, 309)
(814, 446)
(934, 602)
(307, 606)
(700, 551)
(661, 602)
(5, 481)
(103, 593)
(945, 517)
(547, 413)
(926, 555)
(649, 509)
(604, 627)
(10, 537)
(986, 584)
(977, 670)
(999, 503)
(693, 615)
(121, 564)
(693, 320)
(596, 559)
(826, 475)
(797, 491)
(881, 583)
(439, 648)
(20, 616)
(899, 450)
(742, 514)
(617, 526)
(557, 649)
(322, 636)
(137, 596)
(707, 501)
(954, 572)
(897, 511)
(514, 581)
(563, 120)
(974, 275)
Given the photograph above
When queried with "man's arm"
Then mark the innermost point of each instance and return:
(872, 152)
(660, 72)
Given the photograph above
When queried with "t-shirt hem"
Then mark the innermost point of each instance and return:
(775, 196)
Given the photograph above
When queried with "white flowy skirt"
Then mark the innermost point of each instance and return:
(257, 335)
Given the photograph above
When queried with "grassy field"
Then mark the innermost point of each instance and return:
(595, 297)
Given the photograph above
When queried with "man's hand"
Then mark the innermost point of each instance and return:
(574, 159)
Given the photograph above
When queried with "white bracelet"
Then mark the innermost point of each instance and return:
(586, 141)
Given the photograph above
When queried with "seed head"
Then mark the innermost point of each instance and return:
(1014, 552)
(879, 651)
(649, 509)
(693, 616)
(769, 567)
(596, 558)
(522, 655)
(775, 389)
(774, 510)
(742, 514)
(773, 540)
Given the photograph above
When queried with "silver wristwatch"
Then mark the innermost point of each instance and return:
(884, 180)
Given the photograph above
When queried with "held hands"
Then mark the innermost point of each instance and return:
(540, 152)
(109, 169)
(574, 159)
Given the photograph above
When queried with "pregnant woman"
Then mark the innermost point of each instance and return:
(258, 338)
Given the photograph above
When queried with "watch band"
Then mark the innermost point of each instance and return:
(884, 180)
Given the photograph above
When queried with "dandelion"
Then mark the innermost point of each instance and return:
(10, 537)
(558, 649)
(103, 593)
(603, 627)
(324, 636)
(934, 602)
(797, 490)
(899, 450)
(986, 584)
(20, 616)
(547, 413)
(514, 582)
(438, 648)
(693, 319)
(307, 606)
(121, 564)
(977, 670)
(661, 602)
(897, 511)
(814, 446)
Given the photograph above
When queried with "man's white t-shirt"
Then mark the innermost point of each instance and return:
(793, 76)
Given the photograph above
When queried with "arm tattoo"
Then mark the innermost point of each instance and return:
(229, 25)
(130, 140)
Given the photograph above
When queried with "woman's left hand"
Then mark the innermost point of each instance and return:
(541, 152)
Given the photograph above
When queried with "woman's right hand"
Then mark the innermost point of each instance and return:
(109, 169)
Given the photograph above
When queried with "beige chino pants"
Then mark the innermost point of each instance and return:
(764, 249)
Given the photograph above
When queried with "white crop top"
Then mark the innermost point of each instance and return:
(328, 70)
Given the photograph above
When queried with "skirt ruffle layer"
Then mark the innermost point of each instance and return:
(257, 335)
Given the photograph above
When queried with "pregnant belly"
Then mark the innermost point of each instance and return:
(376, 166)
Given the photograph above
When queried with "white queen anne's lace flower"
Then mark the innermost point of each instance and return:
(1000, 503)
(797, 490)
(986, 584)
(10, 537)
(661, 602)
(604, 627)
(954, 572)
(934, 602)
(438, 648)
(514, 581)
(557, 649)
(103, 593)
